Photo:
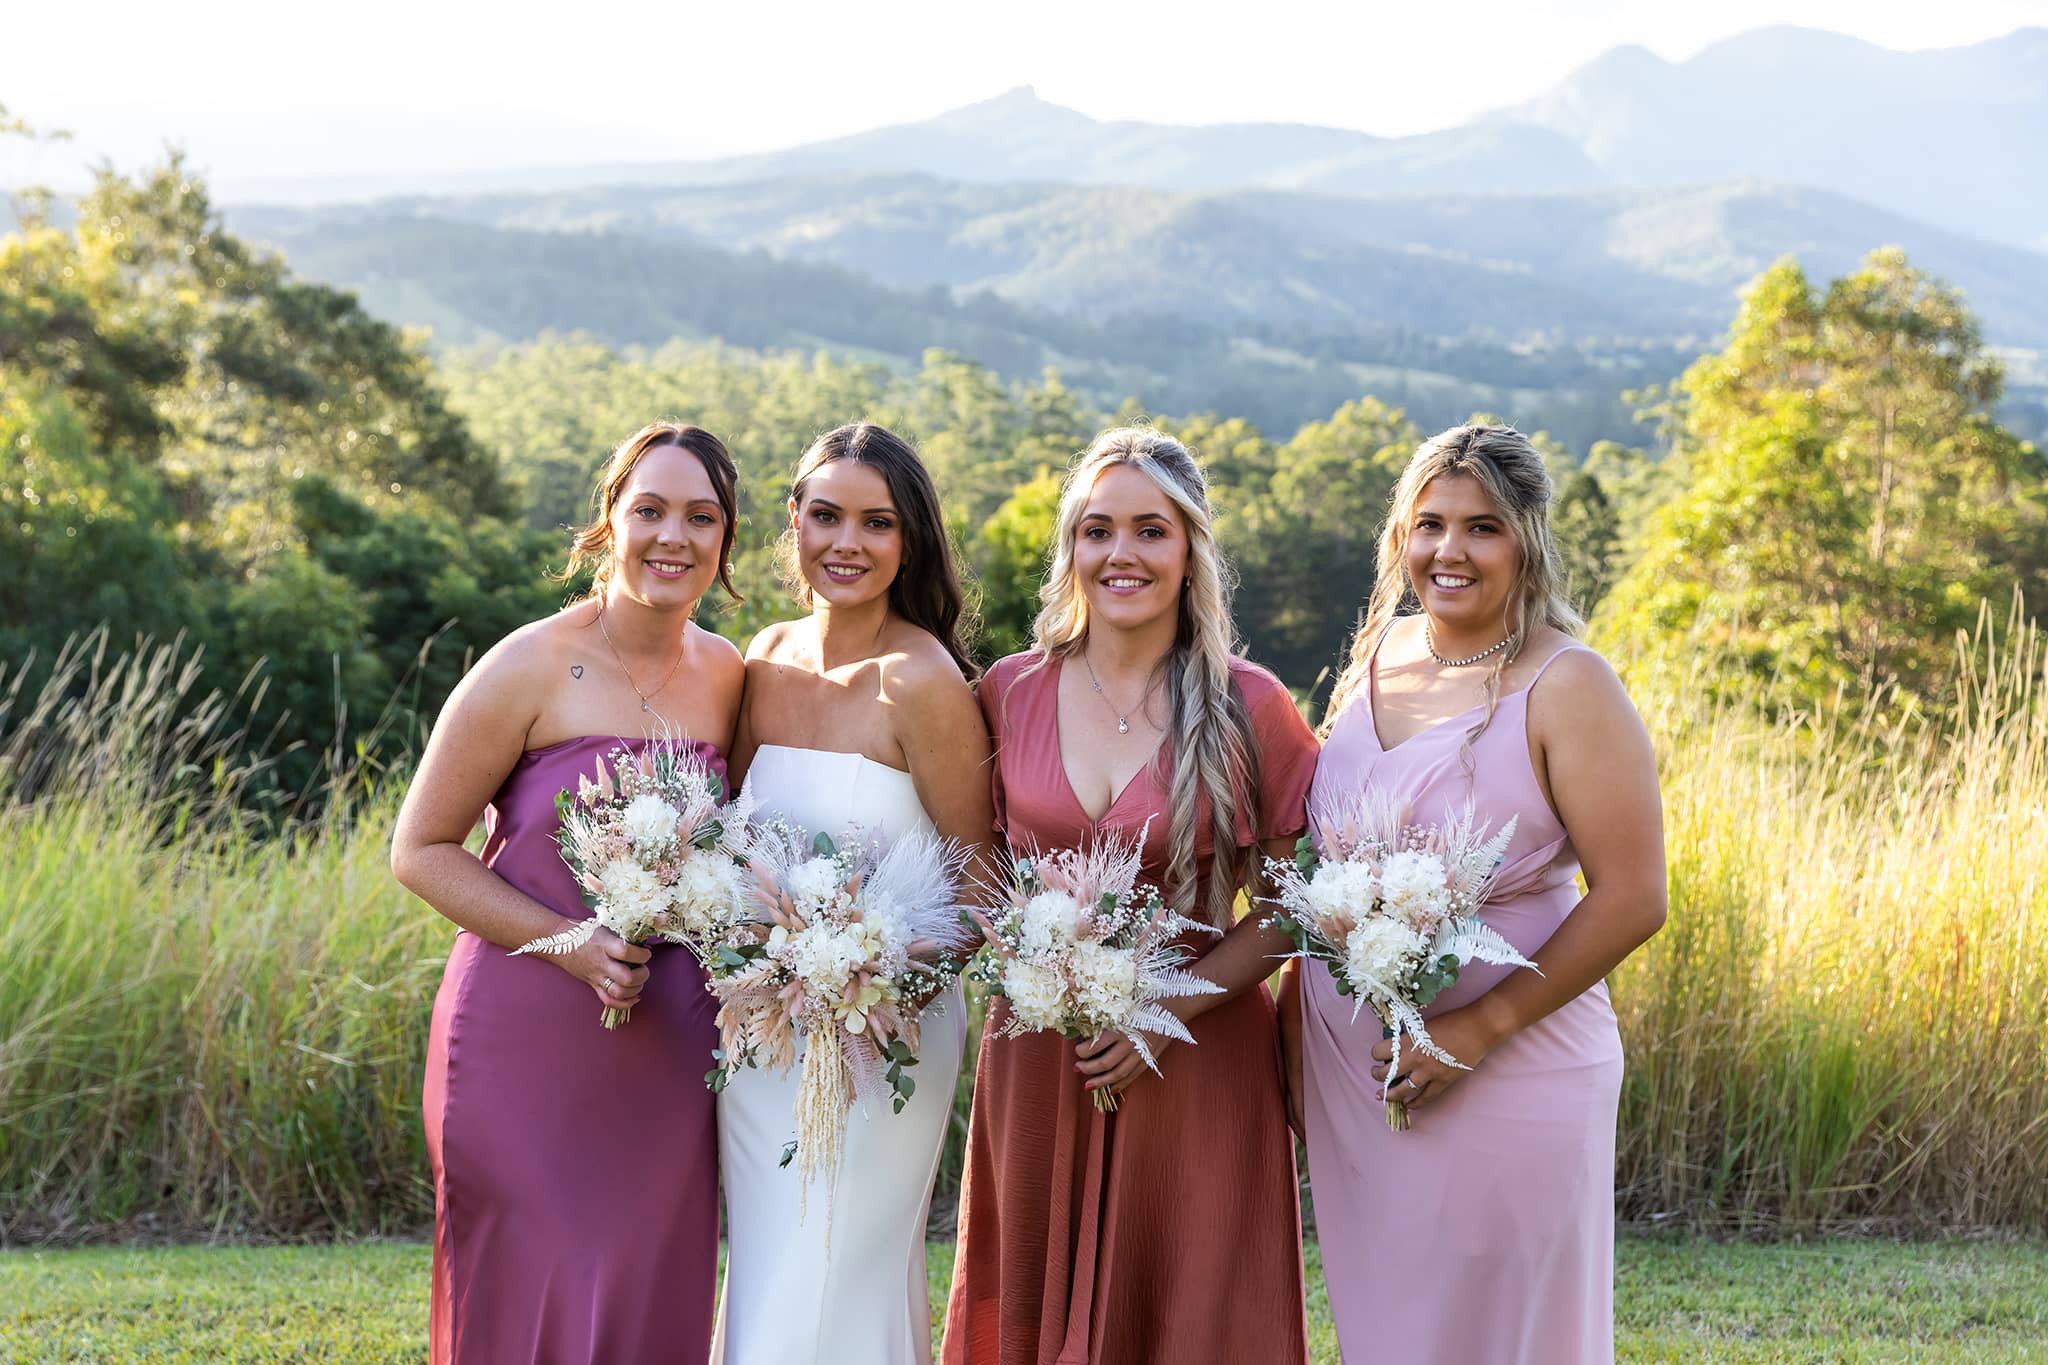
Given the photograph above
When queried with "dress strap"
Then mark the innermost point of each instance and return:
(1573, 648)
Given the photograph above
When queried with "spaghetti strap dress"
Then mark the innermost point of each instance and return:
(1486, 1231)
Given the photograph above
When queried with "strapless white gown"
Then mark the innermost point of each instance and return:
(789, 1298)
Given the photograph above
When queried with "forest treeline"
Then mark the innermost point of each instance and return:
(199, 443)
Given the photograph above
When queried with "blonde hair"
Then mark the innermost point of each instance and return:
(1209, 729)
(1511, 472)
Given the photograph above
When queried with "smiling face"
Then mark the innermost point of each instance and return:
(666, 529)
(1462, 558)
(849, 535)
(1130, 550)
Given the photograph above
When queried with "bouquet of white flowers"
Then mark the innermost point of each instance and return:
(1393, 909)
(1081, 947)
(648, 839)
(852, 942)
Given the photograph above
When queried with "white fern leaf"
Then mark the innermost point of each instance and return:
(567, 941)
(1152, 1019)
(1470, 939)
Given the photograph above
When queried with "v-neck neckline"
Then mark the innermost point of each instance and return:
(1059, 744)
(1372, 699)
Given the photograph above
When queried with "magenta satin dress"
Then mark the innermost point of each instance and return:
(575, 1169)
(1485, 1233)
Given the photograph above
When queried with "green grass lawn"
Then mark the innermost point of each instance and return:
(1676, 1300)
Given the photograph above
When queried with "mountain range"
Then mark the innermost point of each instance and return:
(1953, 137)
(1538, 260)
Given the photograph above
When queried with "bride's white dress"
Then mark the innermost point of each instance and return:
(789, 1299)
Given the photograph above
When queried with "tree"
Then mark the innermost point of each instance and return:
(1852, 498)
(84, 536)
(1010, 555)
(1306, 542)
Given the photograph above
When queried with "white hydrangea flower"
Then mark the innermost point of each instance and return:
(825, 956)
(1343, 888)
(1105, 980)
(650, 824)
(815, 883)
(1035, 993)
(1048, 921)
(634, 900)
(706, 889)
(1380, 948)
(1412, 884)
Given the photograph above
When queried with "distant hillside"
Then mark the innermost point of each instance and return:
(472, 283)
(1638, 266)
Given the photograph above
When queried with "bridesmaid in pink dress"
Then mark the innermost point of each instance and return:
(1166, 1233)
(1486, 1231)
(575, 1169)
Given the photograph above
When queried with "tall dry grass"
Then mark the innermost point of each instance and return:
(209, 1023)
(1845, 1019)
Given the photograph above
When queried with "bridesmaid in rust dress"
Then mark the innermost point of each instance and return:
(1168, 1231)
(575, 1169)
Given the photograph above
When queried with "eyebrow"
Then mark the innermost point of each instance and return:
(830, 505)
(1142, 516)
(649, 495)
(1476, 516)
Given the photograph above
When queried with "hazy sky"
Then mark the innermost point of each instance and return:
(272, 88)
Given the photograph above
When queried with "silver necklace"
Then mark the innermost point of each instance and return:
(1429, 643)
(645, 704)
(1123, 720)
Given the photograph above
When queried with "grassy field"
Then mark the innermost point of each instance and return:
(1676, 1300)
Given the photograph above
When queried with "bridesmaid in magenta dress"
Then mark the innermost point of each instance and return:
(1486, 1231)
(575, 1169)
(1166, 1233)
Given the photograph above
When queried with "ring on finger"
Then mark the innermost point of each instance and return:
(608, 984)
(1415, 1085)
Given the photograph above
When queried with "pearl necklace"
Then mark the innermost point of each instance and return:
(1429, 643)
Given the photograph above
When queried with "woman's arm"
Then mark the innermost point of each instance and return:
(476, 740)
(1603, 781)
(740, 757)
(1287, 1000)
(945, 744)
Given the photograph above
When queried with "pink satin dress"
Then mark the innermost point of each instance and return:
(1486, 1231)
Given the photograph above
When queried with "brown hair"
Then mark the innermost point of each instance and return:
(926, 591)
(592, 548)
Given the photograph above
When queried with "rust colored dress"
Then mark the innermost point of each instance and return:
(1167, 1233)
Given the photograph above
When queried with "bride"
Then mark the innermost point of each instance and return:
(858, 715)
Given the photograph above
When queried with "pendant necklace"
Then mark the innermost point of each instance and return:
(1429, 643)
(645, 704)
(1123, 720)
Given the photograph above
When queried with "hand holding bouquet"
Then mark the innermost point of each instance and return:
(852, 942)
(1392, 909)
(1082, 948)
(647, 839)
